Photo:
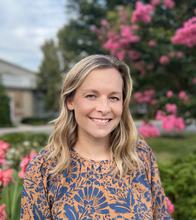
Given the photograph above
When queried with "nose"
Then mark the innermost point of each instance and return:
(103, 106)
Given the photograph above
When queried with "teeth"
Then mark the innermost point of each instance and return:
(102, 121)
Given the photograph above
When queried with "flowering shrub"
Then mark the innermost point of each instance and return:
(3, 149)
(24, 163)
(3, 214)
(142, 13)
(148, 130)
(5, 177)
(170, 206)
(187, 34)
(11, 156)
(179, 179)
(149, 36)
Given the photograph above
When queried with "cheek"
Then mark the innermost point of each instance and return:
(82, 108)
(119, 110)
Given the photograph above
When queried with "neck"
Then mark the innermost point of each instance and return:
(93, 149)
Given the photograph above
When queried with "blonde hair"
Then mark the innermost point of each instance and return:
(123, 138)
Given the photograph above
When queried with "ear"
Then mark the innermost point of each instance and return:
(70, 104)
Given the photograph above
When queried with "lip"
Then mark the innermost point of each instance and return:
(99, 122)
(100, 118)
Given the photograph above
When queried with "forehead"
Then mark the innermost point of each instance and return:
(99, 79)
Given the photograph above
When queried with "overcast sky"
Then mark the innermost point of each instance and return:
(25, 25)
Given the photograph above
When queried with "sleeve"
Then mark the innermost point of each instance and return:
(159, 203)
(34, 202)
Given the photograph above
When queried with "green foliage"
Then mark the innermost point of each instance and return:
(49, 76)
(179, 180)
(148, 73)
(11, 196)
(76, 39)
(21, 145)
(36, 120)
(4, 108)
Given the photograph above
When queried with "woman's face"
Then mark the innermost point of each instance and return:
(98, 104)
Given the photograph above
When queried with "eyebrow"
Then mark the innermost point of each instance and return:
(95, 91)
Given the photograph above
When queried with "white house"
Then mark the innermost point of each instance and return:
(20, 85)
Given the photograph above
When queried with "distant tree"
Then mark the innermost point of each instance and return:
(49, 76)
(76, 39)
(158, 40)
(4, 107)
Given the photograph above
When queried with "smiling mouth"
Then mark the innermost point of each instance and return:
(101, 121)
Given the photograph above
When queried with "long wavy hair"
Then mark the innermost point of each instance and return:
(123, 138)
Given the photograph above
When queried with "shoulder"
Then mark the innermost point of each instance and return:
(143, 149)
(146, 155)
(39, 165)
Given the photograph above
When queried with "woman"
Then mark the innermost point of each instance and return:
(94, 166)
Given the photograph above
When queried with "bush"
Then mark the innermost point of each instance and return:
(179, 180)
(4, 109)
(21, 145)
(36, 121)
(11, 197)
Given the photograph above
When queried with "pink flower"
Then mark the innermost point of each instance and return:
(145, 97)
(160, 115)
(171, 122)
(179, 54)
(134, 54)
(5, 177)
(169, 94)
(186, 35)
(123, 15)
(3, 150)
(169, 4)
(180, 124)
(120, 54)
(148, 130)
(152, 43)
(104, 22)
(170, 206)
(3, 214)
(142, 13)
(183, 96)
(2, 157)
(171, 108)
(164, 60)
(128, 35)
(168, 123)
(155, 2)
(24, 163)
(112, 44)
(4, 145)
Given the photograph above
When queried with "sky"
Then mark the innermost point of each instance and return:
(25, 25)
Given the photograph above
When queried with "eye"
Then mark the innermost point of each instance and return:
(90, 96)
(114, 98)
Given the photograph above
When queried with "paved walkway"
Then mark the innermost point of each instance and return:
(48, 128)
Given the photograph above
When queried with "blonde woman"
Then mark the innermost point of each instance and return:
(94, 165)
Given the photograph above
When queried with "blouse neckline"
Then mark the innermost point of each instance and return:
(100, 166)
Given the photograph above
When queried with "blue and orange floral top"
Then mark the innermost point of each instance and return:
(90, 192)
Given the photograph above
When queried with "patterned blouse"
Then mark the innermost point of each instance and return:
(91, 192)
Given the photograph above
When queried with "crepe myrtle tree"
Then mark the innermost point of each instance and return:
(158, 39)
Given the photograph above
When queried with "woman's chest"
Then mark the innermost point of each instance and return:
(95, 196)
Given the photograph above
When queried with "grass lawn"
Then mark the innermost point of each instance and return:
(168, 148)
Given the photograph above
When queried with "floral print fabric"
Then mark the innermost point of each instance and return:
(90, 192)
